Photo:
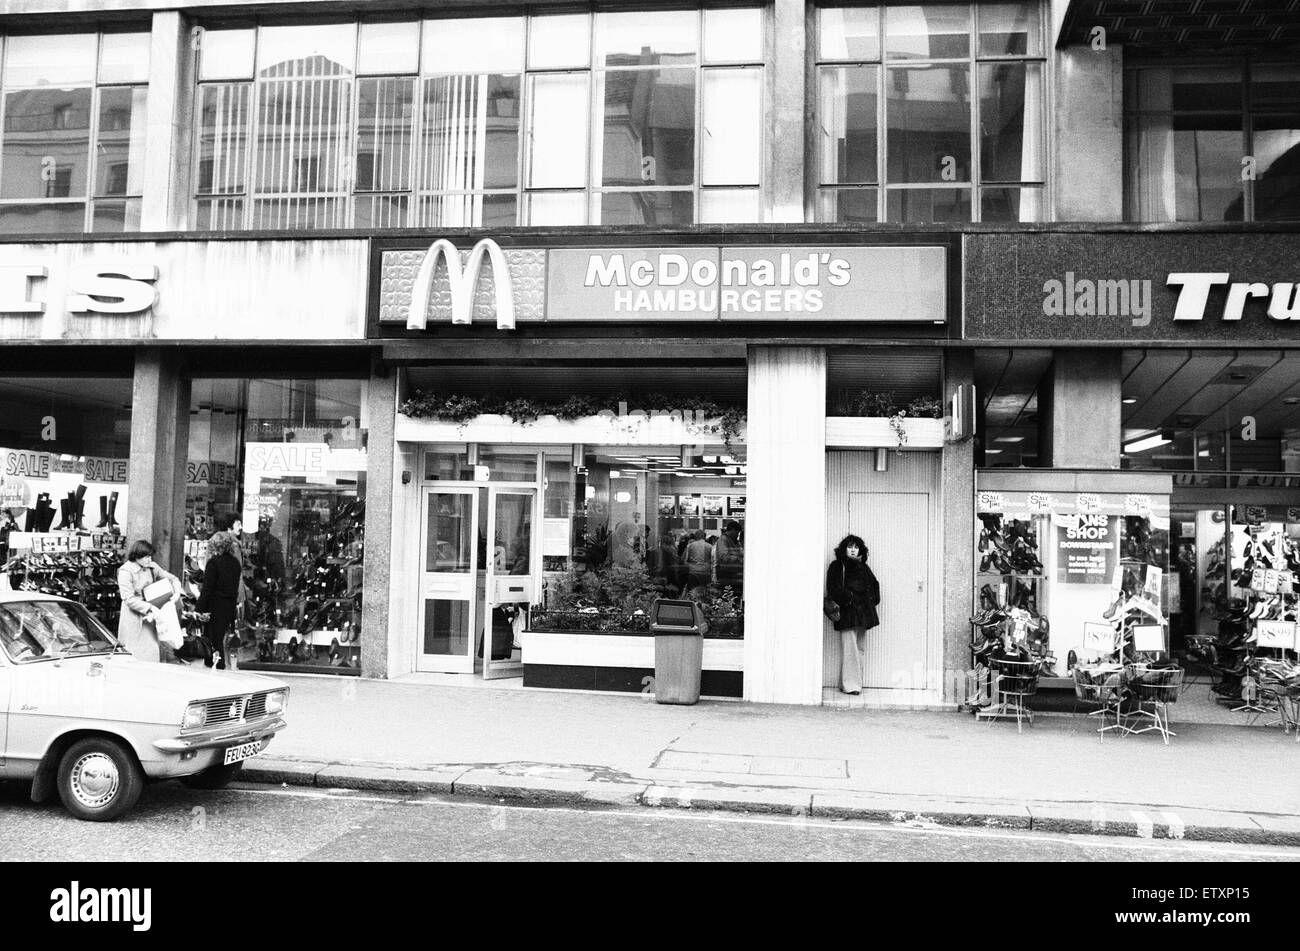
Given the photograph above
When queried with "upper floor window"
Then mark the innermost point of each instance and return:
(1214, 142)
(555, 119)
(930, 113)
(72, 132)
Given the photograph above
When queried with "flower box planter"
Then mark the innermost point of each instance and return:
(634, 429)
(618, 624)
(874, 432)
(612, 649)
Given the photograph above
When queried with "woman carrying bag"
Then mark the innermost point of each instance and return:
(852, 593)
(137, 626)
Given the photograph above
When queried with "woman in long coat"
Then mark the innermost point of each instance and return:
(221, 577)
(135, 625)
(852, 585)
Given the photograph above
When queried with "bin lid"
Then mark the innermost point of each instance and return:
(668, 616)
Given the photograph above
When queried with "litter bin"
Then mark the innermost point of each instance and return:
(678, 627)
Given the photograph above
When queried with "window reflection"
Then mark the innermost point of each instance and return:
(58, 153)
(438, 142)
(1189, 128)
(918, 84)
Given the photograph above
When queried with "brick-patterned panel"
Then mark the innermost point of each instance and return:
(398, 270)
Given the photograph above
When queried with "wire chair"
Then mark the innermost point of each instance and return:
(1016, 680)
(1101, 687)
(1153, 689)
(1279, 687)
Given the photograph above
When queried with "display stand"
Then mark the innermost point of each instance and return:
(78, 565)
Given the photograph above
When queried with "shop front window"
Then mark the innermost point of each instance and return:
(1074, 579)
(287, 460)
(632, 524)
(65, 448)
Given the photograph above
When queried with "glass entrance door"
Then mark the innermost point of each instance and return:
(448, 580)
(509, 588)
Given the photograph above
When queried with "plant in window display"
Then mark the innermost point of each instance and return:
(460, 409)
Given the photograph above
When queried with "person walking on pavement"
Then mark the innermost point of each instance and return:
(136, 625)
(219, 596)
(852, 585)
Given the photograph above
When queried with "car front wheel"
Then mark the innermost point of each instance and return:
(99, 780)
(214, 777)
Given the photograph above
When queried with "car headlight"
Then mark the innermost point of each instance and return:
(196, 714)
(276, 700)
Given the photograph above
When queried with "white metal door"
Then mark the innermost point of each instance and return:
(510, 572)
(448, 580)
(896, 528)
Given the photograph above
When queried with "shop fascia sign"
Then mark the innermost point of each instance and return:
(1076, 296)
(115, 286)
(895, 283)
(462, 281)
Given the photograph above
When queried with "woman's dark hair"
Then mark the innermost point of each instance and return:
(842, 548)
(139, 550)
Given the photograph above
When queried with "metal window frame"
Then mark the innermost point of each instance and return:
(882, 64)
(1246, 64)
(91, 198)
(414, 193)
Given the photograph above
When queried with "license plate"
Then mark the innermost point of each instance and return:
(236, 754)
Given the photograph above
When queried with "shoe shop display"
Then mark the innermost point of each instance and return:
(88, 576)
(304, 575)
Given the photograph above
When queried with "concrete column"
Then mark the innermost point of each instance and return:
(958, 539)
(785, 524)
(167, 133)
(160, 427)
(790, 112)
(1089, 133)
(381, 397)
(1079, 410)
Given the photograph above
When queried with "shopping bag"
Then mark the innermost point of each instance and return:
(168, 625)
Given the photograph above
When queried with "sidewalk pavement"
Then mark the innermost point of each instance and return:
(1213, 783)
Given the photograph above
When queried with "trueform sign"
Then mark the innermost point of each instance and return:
(895, 284)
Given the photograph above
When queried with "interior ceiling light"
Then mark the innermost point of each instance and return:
(1009, 439)
(1291, 400)
(992, 452)
(1150, 442)
(1129, 400)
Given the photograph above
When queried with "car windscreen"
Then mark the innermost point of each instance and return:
(39, 630)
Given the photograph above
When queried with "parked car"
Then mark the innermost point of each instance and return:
(80, 715)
